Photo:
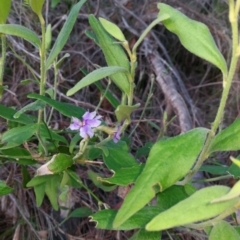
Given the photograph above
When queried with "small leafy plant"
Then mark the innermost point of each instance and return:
(171, 163)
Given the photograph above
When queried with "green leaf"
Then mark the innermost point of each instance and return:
(169, 161)
(25, 176)
(48, 37)
(95, 76)
(193, 209)
(228, 139)
(233, 193)
(118, 156)
(95, 179)
(104, 219)
(4, 189)
(112, 29)
(74, 179)
(125, 176)
(39, 191)
(38, 180)
(8, 113)
(5, 7)
(173, 195)
(51, 190)
(114, 54)
(193, 35)
(34, 106)
(213, 169)
(60, 163)
(36, 6)
(78, 213)
(47, 133)
(123, 111)
(22, 32)
(145, 235)
(66, 109)
(64, 33)
(222, 231)
(19, 135)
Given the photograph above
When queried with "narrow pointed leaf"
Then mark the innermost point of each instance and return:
(95, 76)
(193, 209)
(5, 7)
(169, 161)
(66, 109)
(113, 53)
(194, 36)
(222, 231)
(64, 33)
(22, 32)
(34, 106)
(228, 139)
(4, 188)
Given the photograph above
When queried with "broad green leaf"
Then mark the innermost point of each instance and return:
(19, 135)
(233, 193)
(95, 179)
(223, 231)
(36, 6)
(64, 33)
(104, 219)
(5, 7)
(112, 29)
(22, 32)
(228, 139)
(193, 35)
(196, 208)
(51, 190)
(113, 52)
(8, 113)
(95, 76)
(60, 163)
(169, 161)
(123, 111)
(144, 151)
(66, 109)
(4, 188)
(118, 156)
(34, 106)
(173, 195)
(145, 235)
(74, 179)
(125, 176)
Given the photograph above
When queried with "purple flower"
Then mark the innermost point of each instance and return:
(89, 121)
(116, 135)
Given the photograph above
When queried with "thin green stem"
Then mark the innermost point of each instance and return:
(42, 65)
(104, 95)
(2, 62)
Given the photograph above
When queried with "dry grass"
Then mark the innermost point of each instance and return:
(19, 217)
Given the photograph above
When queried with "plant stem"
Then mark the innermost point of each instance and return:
(42, 65)
(2, 62)
(233, 18)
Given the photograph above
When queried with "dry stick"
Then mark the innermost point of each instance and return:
(169, 89)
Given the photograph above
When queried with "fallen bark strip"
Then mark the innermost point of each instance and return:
(168, 87)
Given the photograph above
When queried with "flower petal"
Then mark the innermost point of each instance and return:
(86, 132)
(117, 134)
(89, 115)
(76, 124)
(93, 123)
